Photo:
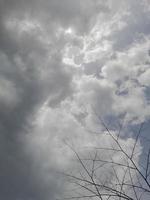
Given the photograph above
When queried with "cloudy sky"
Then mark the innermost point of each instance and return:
(63, 64)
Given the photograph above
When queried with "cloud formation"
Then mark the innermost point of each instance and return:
(62, 64)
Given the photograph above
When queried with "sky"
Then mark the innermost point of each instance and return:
(63, 65)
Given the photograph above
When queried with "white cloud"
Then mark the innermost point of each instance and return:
(128, 71)
(97, 94)
(49, 152)
(144, 78)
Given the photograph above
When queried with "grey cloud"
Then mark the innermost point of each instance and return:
(53, 12)
(28, 78)
(137, 25)
(25, 89)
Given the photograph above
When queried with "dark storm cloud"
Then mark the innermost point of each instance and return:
(19, 55)
(26, 91)
(23, 89)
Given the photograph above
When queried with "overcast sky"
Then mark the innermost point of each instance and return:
(63, 63)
